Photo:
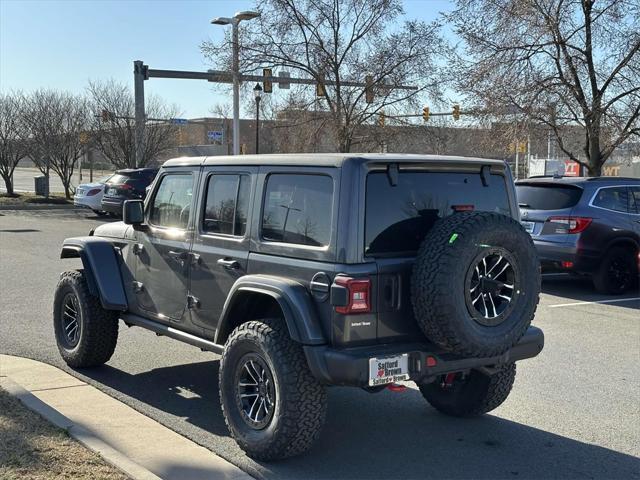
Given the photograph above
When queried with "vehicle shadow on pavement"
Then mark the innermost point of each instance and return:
(580, 289)
(377, 436)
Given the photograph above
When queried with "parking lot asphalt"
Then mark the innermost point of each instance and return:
(574, 411)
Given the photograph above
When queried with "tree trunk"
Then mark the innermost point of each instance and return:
(8, 183)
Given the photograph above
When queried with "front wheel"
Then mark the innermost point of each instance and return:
(86, 333)
(472, 394)
(272, 404)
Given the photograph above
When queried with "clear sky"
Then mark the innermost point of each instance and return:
(62, 43)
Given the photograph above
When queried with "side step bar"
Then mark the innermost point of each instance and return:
(161, 329)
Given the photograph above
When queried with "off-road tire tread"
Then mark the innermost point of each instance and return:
(300, 424)
(478, 400)
(430, 311)
(100, 327)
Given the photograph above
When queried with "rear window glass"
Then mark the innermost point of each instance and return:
(117, 179)
(398, 218)
(297, 209)
(547, 197)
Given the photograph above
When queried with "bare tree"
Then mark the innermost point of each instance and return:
(57, 123)
(339, 41)
(113, 124)
(13, 136)
(566, 64)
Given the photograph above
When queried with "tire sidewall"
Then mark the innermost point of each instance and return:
(440, 304)
(248, 437)
(475, 245)
(65, 287)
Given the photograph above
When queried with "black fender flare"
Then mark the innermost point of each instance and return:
(102, 269)
(293, 298)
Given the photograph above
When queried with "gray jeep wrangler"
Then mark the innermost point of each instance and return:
(306, 271)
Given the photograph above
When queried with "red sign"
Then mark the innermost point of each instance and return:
(571, 168)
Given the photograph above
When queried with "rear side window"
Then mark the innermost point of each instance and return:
(634, 200)
(226, 205)
(547, 197)
(172, 201)
(398, 218)
(613, 198)
(297, 209)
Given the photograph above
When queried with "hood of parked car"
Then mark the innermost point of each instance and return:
(113, 230)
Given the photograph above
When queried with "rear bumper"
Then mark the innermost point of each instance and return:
(112, 205)
(87, 202)
(351, 366)
(553, 254)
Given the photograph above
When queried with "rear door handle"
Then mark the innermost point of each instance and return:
(228, 264)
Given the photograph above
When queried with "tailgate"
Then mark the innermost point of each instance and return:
(393, 302)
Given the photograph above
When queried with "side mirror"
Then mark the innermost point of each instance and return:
(133, 212)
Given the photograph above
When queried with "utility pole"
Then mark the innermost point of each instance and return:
(138, 87)
(517, 157)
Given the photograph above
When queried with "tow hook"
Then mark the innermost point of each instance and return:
(395, 387)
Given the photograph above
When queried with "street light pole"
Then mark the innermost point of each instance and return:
(235, 46)
(236, 87)
(258, 93)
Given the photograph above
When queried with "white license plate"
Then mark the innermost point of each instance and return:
(528, 226)
(388, 369)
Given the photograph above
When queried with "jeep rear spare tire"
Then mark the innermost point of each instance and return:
(476, 283)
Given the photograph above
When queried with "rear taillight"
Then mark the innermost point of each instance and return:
(570, 224)
(125, 186)
(93, 192)
(358, 295)
(463, 208)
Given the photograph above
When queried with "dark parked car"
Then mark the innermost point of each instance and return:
(304, 271)
(128, 184)
(585, 225)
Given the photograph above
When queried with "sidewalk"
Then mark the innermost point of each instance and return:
(138, 445)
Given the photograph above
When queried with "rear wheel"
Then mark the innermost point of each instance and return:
(472, 394)
(618, 271)
(86, 333)
(272, 404)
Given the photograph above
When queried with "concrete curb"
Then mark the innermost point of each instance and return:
(110, 455)
(37, 207)
(136, 444)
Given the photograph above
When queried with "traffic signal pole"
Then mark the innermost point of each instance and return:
(142, 72)
(138, 92)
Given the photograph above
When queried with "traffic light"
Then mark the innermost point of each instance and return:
(425, 114)
(381, 119)
(368, 89)
(456, 112)
(267, 85)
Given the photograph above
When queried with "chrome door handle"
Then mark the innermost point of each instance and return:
(228, 264)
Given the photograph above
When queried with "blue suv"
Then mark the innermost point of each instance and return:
(585, 225)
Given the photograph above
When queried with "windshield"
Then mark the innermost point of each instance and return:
(398, 217)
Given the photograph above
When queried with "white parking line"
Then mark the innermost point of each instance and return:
(615, 300)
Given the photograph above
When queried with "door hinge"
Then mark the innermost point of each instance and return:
(137, 248)
(138, 287)
(193, 302)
